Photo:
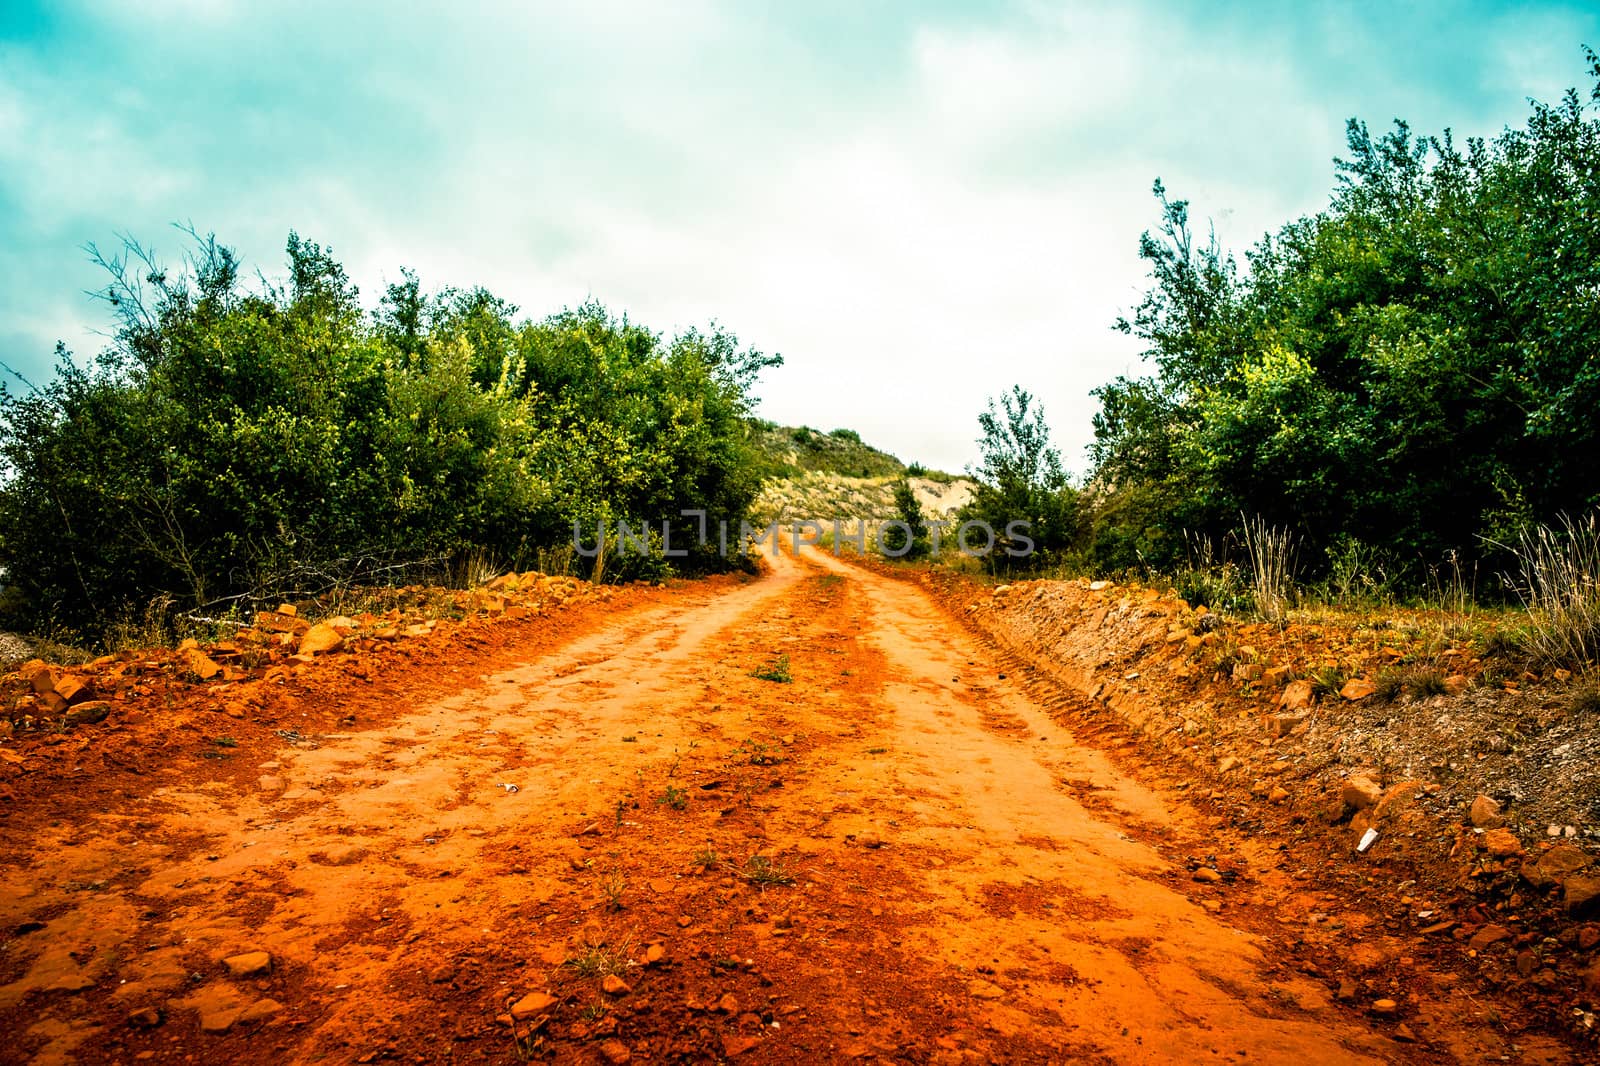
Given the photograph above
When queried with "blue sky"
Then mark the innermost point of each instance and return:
(918, 204)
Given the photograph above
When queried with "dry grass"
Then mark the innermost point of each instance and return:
(1559, 584)
(1272, 552)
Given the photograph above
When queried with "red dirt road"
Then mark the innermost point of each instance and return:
(900, 854)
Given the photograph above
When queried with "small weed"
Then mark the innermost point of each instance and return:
(593, 1012)
(877, 751)
(613, 885)
(706, 859)
(761, 754)
(1391, 685)
(777, 670)
(1425, 681)
(1585, 698)
(1328, 680)
(764, 872)
(602, 959)
(225, 742)
(674, 797)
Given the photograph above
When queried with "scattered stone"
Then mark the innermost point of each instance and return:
(199, 664)
(89, 713)
(613, 985)
(728, 1004)
(1360, 792)
(1295, 696)
(981, 989)
(1228, 763)
(1489, 934)
(734, 1044)
(1582, 894)
(72, 982)
(219, 1020)
(145, 1018)
(1277, 795)
(1501, 843)
(1206, 875)
(270, 783)
(1456, 684)
(1403, 1033)
(1397, 798)
(259, 1010)
(1357, 688)
(1555, 865)
(321, 638)
(1385, 1006)
(614, 1050)
(532, 1005)
(654, 954)
(1591, 979)
(248, 964)
(1485, 813)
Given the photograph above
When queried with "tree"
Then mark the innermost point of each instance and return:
(1020, 478)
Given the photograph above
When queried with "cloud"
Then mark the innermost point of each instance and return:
(918, 205)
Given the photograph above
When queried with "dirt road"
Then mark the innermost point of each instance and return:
(885, 849)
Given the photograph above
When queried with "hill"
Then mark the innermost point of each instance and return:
(811, 474)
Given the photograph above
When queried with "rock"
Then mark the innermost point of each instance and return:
(981, 989)
(532, 1005)
(72, 982)
(40, 677)
(614, 1050)
(321, 638)
(734, 1045)
(88, 713)
(74, 690)
(1357, 688)
(1456, 684)
(1581, 892)
(1360, 792)
(270, 783)
(1555, 865)
(1485, 813)
(1277, 795)
(1295, 696)
(1527, 963)
(1206, 875)
(280, 621)
(198, 664)
(613, 985)
(1248, 671)
(728, 1004)
(1403, 1033)
(654, 954)
(1228, 763)
(1396, 798)
(248, 964)
(1501, 843)
(257, 1011)
(1385, 1007)
(219, 1020)
(1281, 725)
(1590, 979)
(145, 1018)
(1488, 935)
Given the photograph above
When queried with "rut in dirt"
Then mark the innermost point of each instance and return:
(630, 845)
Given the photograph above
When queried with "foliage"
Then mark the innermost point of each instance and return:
(236, 444)
(1020, 479)
(1411, 368)
(907, 537)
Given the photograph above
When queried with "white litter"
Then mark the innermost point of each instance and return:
(1367, 840)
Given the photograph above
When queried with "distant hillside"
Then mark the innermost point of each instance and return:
(793, 450)
(811, 474)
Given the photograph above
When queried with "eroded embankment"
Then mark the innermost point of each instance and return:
(1482, 798)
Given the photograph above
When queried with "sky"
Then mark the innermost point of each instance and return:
(916, 204)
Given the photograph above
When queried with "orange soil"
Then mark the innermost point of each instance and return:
(970, 880)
